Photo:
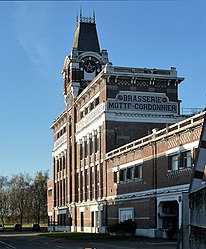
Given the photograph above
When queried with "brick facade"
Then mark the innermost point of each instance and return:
(121, 148)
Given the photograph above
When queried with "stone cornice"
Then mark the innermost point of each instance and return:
(56, 120)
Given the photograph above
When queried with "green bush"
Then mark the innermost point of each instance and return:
(127, 226)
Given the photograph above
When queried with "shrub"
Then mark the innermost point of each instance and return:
(127, 226)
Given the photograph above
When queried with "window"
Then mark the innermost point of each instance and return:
(101, 182)
(91, 106)
(85, 149)
(186, 159)
(64, 192)
(90, 146)
(180, 161)
(96, 101)
(64, 162)
(96, 143)
(92, 219)
(77, 186)
(115, 177)
(60, 163)
(50, 192)
(129, 173)
(81, 185)
(86, 184)
(81, 152)
(97, 182)
(125, 214)
(92, 182)
(173, 162)
(138, 171)
(57, 165)
(60, 194)
(122, 175)
(55, 195)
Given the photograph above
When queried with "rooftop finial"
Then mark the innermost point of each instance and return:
(90, 19)
(94, 15)
(80, 14)
(77, 18)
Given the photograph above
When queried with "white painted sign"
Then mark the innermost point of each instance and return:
(142, 102)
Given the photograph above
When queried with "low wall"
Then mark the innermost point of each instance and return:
(197, 219)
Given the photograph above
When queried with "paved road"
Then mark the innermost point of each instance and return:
(31, 241)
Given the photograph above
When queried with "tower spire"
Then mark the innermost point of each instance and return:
(80, 13)
(94, 15)
(77, 19)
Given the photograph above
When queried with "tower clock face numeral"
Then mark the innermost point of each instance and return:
(89, 66)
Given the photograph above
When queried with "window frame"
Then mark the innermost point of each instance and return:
(184, 159)
(139, 170)
(126, 211)
(173, 165)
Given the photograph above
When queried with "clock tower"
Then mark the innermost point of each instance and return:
(85, 61)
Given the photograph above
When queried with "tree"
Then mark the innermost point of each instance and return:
(19, 195)
(39, 196)
(4, 198)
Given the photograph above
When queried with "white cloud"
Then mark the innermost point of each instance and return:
(31, 23)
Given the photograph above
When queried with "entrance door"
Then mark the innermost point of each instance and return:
(168, 215)
(82, 221)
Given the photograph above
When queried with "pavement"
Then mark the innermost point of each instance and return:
(30, 240)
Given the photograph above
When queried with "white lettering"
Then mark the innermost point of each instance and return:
(142, 102)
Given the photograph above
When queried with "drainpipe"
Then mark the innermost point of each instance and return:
(154, 164)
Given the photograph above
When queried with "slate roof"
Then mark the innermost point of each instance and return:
(86, 38)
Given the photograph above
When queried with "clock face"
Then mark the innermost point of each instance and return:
(89, 66)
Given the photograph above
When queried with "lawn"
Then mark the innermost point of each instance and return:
(24, 226)
(85, 236)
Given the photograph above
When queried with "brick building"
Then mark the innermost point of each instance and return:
(121, 148)
(198, 197)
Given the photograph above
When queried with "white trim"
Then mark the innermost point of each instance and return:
(150, 193)
(138, 118)
(94, 208)
(184, 147)
(91, 124)
(132, 163)
(169, 197)
(61, 211)
(60, 149)
(59, 228)
(81, 209)
(89, 53)
(149, 232)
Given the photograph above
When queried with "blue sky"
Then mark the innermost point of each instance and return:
(36, 37)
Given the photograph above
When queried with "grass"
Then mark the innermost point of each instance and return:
(85, 236)
(24, 226)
